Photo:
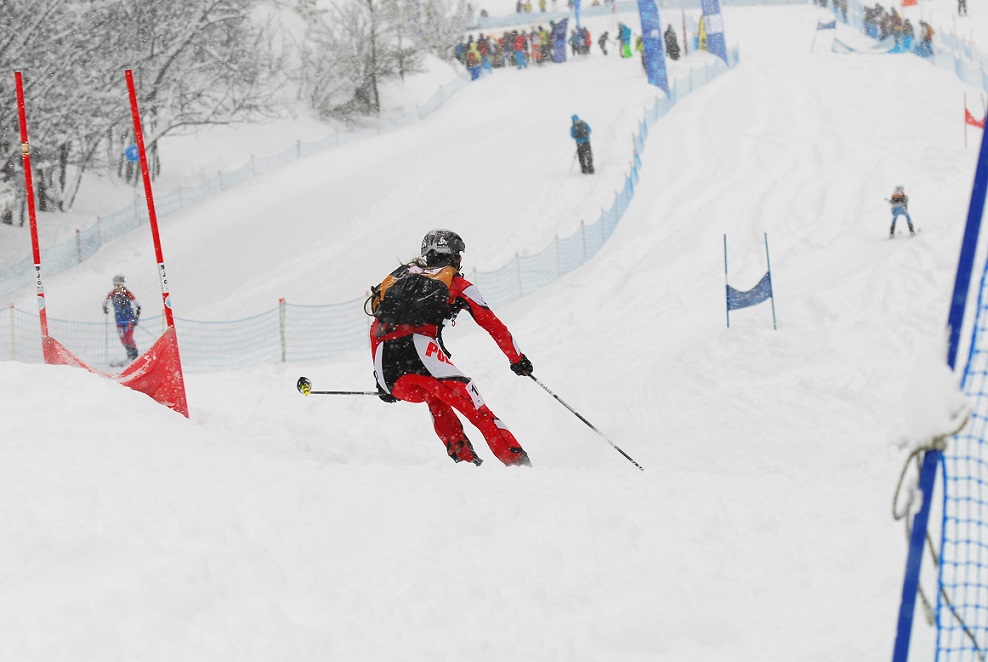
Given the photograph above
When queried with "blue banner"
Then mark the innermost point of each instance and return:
(714, 24)
(655, 58)
(559, 40)
(576, 14)
(832, 25)
(736, 299)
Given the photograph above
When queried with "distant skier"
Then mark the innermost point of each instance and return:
(602, 42)
(900, 204)
(126, 311)
(411, 307)
(580, 132)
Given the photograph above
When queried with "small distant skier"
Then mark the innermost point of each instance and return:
(580, 132)
(900, 205)
(126, 311)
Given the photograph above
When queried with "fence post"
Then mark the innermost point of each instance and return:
(281, 326)
(583, 236)
(13, 335)
(521, 291)
(558, 258)
(298, 148)
(78, 245)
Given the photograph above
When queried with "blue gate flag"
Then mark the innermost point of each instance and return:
(832, 25)
(714, 24)
(655, 59)
(559, 40)
(736, 299)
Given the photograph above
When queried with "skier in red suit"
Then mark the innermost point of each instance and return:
(411, 363)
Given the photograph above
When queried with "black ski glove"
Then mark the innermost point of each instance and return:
(522, 367)
(385, 396)
(138, 312)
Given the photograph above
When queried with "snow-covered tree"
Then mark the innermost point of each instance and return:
(350, 49)
(195, 62)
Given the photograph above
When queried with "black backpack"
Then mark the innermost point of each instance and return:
(581, 130)
(412, 295)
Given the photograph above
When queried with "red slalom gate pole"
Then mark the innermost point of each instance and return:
(174, 386)
(29, 186)
(146, 177)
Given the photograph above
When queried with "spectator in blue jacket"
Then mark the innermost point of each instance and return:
(580, 132)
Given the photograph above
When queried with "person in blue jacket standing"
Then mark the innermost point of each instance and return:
(580, 132)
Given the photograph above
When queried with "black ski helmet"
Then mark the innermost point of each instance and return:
(442, 242)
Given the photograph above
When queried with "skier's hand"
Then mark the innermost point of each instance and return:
(522, 367)
(385, 396)
(105, 311)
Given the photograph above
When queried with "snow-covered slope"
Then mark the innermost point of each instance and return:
(276, 527)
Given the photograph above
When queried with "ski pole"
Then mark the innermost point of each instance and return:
(304, 387)
(589, 424)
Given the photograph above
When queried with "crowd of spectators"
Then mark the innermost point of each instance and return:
(882, 24)
(516, 48)
(519, 48)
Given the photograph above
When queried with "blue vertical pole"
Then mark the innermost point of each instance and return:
(931, 459)
(771, 288)
(727, 290)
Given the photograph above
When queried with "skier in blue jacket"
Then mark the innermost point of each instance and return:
(580, 132)
(126, 311)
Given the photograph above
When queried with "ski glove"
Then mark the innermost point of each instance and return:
(105, 311)
(385, 396)
(522, 367)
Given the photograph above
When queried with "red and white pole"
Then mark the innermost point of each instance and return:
(146, 176)
(29, 187)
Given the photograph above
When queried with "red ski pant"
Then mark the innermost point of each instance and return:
(443, 396)
(126, 332)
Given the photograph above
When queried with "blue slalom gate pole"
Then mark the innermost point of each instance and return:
(768, 263)
(727, 292)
